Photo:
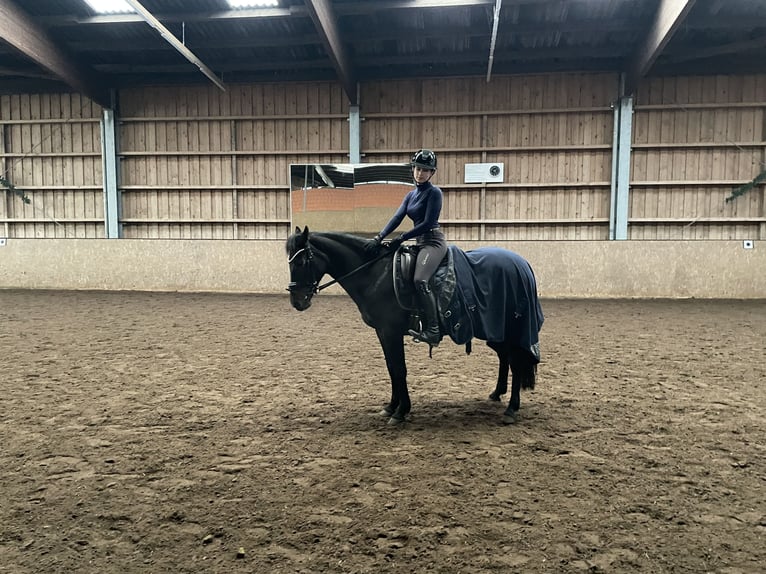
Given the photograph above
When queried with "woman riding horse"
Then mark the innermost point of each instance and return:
(423, 206)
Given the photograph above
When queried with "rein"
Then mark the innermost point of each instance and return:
(350, 273)
(317, 288)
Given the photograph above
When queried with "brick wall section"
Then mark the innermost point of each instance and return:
(341, 199)
(362, 210)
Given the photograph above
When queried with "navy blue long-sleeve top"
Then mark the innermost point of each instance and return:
(422, 205)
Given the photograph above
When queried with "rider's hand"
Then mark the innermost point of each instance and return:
(372, 247)
(394, 244)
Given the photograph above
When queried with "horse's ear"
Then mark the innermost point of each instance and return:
(297, 230)
(306, 232)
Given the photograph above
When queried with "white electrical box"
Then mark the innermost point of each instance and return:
(2, 241)
(748, 244)
(484, 173)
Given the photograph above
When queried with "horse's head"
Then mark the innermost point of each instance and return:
(305, 270)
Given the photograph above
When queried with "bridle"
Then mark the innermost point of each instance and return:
(313, 286)
(306, 287)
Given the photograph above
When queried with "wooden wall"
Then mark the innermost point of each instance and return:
(195, 162)
(553, 133)
(202, 163)
(50, 150)
(694, 141)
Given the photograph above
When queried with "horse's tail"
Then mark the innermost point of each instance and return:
(524, 366)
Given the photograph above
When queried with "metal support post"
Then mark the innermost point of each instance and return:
(354, 135)
(109, 160)
(620, 188)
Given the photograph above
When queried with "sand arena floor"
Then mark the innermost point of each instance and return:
(174, 433)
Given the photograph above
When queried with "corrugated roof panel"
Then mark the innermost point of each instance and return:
(395, 39)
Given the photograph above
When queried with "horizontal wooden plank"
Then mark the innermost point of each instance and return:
(56, 187)
(698, 106)
(141, 221)
(32, 155)
(493, 113)
(211, 187)
(597, 220)
(521, 149)
(151, 119)
(701, 145)
(693, 220)
(37, 121)
(543, 148)
(523, 185)
(289, 152)
(683, 183)
(52, 220)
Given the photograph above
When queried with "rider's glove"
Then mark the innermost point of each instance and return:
(372, 247)
(394, 244)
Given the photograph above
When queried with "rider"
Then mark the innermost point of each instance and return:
(423, 205)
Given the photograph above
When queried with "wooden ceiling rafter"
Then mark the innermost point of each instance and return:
(668, 18)
(326, 22)
(19, 30)
(176, 43)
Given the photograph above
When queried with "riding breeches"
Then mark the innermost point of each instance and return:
(433, 248)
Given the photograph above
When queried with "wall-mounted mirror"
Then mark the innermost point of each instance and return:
(352, 198)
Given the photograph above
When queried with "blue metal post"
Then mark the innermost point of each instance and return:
(109, 160)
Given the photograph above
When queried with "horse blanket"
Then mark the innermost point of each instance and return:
(495, 299)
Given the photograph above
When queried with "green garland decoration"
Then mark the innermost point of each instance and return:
(24, 197)
(743, 189)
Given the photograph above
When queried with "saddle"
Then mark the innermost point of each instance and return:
(452, 318)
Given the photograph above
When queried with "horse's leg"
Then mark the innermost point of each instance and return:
(501, 387)
(522, 377)
(509, 416)
(393, 349)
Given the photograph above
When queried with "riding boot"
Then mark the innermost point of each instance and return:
(429, 320)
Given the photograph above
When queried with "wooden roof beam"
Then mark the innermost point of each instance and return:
(26, 73)
(19, 30)
(322, 14)
(176, 43)
(670, 14)
(493, 38)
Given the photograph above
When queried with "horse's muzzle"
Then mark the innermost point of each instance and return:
(300, 296)
(300, 302)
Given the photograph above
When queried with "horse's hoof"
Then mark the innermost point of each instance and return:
(384, 412)
(495, 397)
(509, 418)
(394, 422)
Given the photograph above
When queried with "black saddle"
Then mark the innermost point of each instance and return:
(443, 283)
(443, 279)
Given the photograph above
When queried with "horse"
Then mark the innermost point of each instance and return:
(367, 280)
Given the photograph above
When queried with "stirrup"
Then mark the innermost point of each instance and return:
(422, 338)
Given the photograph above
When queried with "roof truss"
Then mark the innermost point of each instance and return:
(669, 16)
(31, 39)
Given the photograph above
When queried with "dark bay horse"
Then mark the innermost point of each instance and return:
(369, 282)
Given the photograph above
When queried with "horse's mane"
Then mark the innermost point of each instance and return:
(347, 239)
(353, 242)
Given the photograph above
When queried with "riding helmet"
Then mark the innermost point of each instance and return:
(424, 158)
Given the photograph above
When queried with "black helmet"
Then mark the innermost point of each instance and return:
(424, 158)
